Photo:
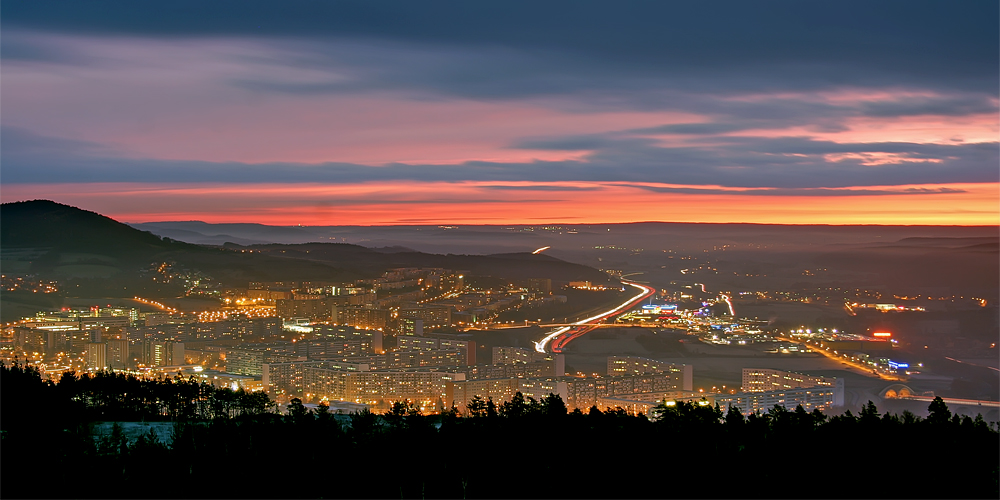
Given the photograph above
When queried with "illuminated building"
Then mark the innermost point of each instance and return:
(362, 317)
(645, 402)
(118, 354)
(414, 343)
(419, 386)
(164, 353)
(239, 328)
(291, 378)
(31, 339)
(549, 366)
(584, 392)
(452, 281)
(411, 326)
(576, 392)
(766, 379)
(321, 309)
(97, 355)
(433, 315)
(166, 318)
(542, 286)
(632, 406)
(634, 365)
(822, 398)
(357, 341)
(454, 357)
(249, 359)
(56, 342)
(459, 393)
(504, 355)
(539, 388)
(268, 296)
(354, 382)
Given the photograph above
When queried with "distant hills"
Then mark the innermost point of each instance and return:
(571, 241)
(50, 239)
(217, 234)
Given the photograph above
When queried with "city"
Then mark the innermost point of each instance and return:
(387, 249)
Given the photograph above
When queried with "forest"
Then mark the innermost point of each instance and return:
(236, 444)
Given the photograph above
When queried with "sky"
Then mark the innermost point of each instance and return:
(373, 112)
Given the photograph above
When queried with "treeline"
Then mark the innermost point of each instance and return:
(116, 396)
(518, 449)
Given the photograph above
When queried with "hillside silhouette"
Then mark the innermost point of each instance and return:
(44, 224)
(64, 242)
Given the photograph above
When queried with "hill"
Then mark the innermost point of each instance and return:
(370, 261)
(105, 256)
(44, 224)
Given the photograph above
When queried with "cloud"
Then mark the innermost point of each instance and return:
(940, 106)
(757, 93)
(529, 49)
(748, 162)
(539, 187)
(809, 192)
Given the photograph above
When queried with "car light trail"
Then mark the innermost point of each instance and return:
(644, 292)
(540, 250)
(728, 302)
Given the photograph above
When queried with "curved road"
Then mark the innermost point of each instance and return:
(562, 336)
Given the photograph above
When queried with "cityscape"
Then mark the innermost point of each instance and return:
(450, 250)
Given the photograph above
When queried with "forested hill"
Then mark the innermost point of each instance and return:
(45, 224)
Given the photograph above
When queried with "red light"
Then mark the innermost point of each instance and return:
(882, 334)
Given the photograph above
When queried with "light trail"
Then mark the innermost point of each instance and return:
(155, 304)
(540, 250)
(644, 292)
(956, 401)
(973, 364)
(732, 312)
(866, 370)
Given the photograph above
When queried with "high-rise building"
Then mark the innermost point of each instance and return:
(434, 315)
(362, 317)
(766, 379)
(163, 353)
(634, 365)
(414, 343)
(411, 326)
(811, 398)
(541, 286)
(460, 393)
(97, 355)
(118, 354)
(505, 355)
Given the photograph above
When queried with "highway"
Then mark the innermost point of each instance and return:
(562, 336)
(865, 370)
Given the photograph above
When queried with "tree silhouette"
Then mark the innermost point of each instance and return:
(938, 412)
(553, 405)
(476, 407)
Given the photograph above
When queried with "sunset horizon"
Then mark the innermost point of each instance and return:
(795, 114)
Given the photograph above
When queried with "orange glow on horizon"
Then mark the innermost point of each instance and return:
(415, 203)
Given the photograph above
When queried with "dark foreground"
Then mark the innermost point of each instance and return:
(228, 444)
